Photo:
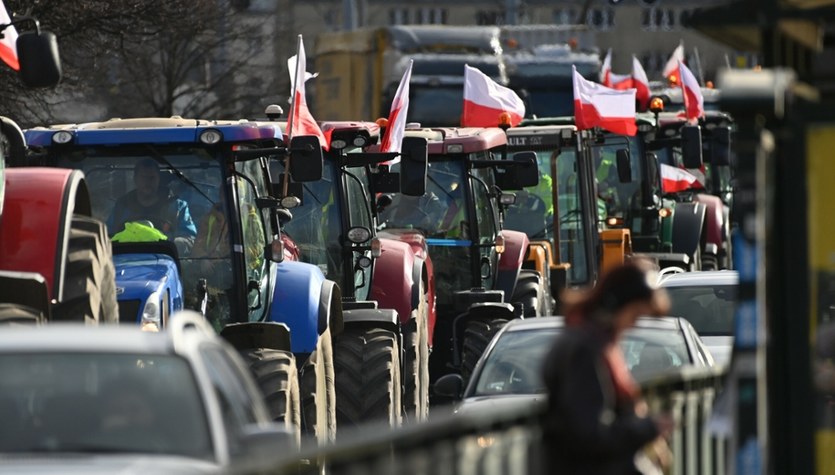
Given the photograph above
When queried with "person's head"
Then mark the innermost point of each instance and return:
(623, 294)
(146, 177)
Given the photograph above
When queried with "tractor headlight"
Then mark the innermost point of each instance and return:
(151, 312)
(62, 137)
(211, 136)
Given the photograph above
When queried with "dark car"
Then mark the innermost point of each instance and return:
(103, 399)
(708, 301)
(510, 369)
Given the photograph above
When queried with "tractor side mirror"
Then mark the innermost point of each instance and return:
(414, 157)
(306, 159)
(624, 165)
(691, 146)
(720, 147)
(37, 53)
(520, 174)
(652, 168)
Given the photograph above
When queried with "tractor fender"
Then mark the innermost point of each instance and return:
(382, 317)
(714, 219)
(296, 303)
(38, 209)
(393, 284)
(688, 222)
(330, 308)
(248, 335)
(511, 260)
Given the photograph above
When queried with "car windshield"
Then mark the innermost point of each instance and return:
(514, 365)
(101, 403)
(709, 308)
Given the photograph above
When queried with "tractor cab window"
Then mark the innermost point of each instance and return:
(571, 212)
(486, 215)
(359, 213)
(253, 237)
(616, 198)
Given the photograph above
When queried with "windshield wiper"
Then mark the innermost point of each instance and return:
(160, 157)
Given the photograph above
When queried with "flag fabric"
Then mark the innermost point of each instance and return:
(671, 68)
(610, 79)
(291, 68)
(640, 83)
(396, 128)
(484, 101)
(300, 121)
(8, 45)
(691, 92)
(599, 106)
(675, 179)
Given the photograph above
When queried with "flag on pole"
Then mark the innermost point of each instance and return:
(484, 101)
(599, 106)
(300, 121)
(8, 45)
(671, 68)
(291, 68)
(393, 138)
(640, 83)
(694, 103)
(675, 179)
(610, 79)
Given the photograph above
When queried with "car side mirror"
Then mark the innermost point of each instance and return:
(720, 146)
(37, 53)
(306, 159)
(262, 447)
(414, 157)
(624, 165)
(691, 146)
(450, 385)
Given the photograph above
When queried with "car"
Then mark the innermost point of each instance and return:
(707, 299)
(510, 370)
(115, 399)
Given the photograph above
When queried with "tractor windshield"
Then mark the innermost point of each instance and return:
(616, 199)
(190, 211)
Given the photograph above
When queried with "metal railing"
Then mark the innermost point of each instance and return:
(508, 441)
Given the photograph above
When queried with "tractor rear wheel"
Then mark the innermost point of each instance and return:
(89, 288)
(416, 363)
(318, 392)
(529, 292)
(367, 363)
(477, 335)
(278, 379)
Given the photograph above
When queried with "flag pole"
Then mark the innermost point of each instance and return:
(293, 112)
(699, 65)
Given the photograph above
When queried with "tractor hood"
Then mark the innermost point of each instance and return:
(137, 275)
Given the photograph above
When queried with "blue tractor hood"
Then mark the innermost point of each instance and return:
(138, 276)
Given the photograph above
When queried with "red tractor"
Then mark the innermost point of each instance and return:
(55, 259)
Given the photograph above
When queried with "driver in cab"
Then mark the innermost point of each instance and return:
(151, 213)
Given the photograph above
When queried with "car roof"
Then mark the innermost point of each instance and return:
(660, 323)
(685, 279)
(77, 338)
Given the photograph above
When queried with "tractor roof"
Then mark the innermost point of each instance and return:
(460, 139)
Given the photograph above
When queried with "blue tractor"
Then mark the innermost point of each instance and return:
(218, 249)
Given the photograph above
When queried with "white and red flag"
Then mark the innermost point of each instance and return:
(671, 68)
(393, 138)
(691, 92)
(676, 179)
(8, 45)
(599, 106)
(610, 79)
(485, 100)
(640, 83)
(300, 121)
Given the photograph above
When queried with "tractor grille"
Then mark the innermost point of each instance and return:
(129, 311)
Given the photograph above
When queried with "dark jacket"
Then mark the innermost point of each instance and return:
(588, 430)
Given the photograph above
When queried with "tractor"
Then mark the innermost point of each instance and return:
(480, 283)
(280, 314)
(381, 357)
(55, 256)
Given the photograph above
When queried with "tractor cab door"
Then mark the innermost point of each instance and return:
(359, 216)
(485, 215)
(249, 184)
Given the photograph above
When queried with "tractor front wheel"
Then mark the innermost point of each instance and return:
(278, 379)
(477, 335)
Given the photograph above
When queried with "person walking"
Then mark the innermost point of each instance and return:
(596, 422)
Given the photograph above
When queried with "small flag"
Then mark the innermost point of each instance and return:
(485, 100)
(393, 137)
(599, 106)
(300, 121)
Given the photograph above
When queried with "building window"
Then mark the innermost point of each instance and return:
(565, 16)
(489, 18)
(431, 16)
(399, 16)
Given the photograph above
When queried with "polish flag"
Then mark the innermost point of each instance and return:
(300, 121)
(484, 101)
(393, 138)
(8, 45)
(610, 79)
(640, 83)
(694, 103)
(599, 106)
(671, 68)
(675, 179)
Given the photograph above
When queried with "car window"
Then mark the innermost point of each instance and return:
(709, 308)
(514, 365)
(236, 404)
(101, 403)
(651, 351)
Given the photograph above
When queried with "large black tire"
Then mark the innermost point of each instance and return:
(477, 335)
(529, 291)
(367, 363)
(318, 392)
(89, 279)
(416, 363)
(278, 379)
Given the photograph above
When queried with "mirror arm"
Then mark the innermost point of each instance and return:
(25, 18)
